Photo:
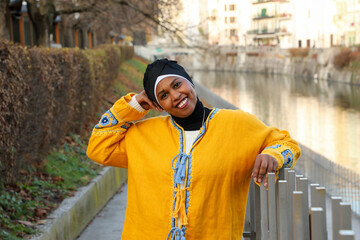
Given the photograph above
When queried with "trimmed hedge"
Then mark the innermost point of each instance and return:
(46, 93)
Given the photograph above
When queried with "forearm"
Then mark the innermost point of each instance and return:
(106, 142)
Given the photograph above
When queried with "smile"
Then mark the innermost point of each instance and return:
(183, 103)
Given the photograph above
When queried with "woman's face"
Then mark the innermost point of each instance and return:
(176, 96)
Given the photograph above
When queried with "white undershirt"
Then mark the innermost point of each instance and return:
(190, 137)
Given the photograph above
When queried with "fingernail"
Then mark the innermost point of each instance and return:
(255, 179)
(265, 184)
(259, 180)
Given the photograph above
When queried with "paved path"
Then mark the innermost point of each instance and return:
(108, 224)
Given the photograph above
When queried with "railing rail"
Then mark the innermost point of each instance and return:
(288, 210)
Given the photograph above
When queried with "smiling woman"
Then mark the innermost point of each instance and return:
(189, 172)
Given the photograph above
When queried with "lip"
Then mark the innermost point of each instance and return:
(184, 105)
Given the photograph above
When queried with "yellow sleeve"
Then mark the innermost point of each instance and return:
(283, 148)
(106, 145)
(276, 143)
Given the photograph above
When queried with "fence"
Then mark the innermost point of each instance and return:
(338, 180)
(285, 211)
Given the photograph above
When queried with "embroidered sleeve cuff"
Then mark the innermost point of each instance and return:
(135, 104)
(123, 111)
(119, 117)
(282, 154)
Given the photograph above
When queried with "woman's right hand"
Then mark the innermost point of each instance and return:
(145, 102)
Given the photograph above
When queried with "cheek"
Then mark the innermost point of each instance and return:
(166, 104)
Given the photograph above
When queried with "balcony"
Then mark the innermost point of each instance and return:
(263, 16)
(284, 16)
(270, 1)
(272, 31)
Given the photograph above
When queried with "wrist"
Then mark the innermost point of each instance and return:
(135, 104)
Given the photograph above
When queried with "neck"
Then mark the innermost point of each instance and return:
(196, 118)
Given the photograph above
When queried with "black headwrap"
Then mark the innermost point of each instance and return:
(158, 68)
(162, 67)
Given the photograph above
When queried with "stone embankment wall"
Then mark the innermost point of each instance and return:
(317, 64)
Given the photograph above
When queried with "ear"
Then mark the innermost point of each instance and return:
(155, 103)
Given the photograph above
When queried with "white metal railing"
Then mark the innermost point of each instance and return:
(294, 209)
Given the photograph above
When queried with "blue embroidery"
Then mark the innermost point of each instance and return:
(180, 167)
(126, 125)
(180, 174)
(176, 233)
(274, 147)
(288, 158)
(107, 120)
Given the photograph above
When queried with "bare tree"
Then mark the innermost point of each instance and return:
(100, 16)
(4, 30)
(42, 13)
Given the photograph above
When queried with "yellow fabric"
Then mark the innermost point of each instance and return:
(221, 166)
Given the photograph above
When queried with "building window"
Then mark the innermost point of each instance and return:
(225, 19)
(225, 8)
(232, 19)
(232, 32)
(232, 7)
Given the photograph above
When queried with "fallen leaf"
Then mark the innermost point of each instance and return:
(40, 212)
(23, 193)
(41, 222)
(26, 223)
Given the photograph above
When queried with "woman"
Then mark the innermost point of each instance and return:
(189, 172)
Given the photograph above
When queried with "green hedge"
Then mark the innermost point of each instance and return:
(46, 93)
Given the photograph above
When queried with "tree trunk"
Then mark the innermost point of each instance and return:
(68, 33)
(42, 33)
(42, 14)
(85, 36)
(4, 30)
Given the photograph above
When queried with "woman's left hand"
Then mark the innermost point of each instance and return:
(263, 164)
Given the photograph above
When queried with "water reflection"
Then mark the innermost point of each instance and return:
(324, 116)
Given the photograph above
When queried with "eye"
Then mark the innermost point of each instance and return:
(177, 84)
(163, 96)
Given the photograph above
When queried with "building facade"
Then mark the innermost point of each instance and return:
(272, 23)
(280, 23)
(228, 22)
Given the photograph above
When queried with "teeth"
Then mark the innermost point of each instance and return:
(181, 104)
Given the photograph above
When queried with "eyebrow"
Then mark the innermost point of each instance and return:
(172, 83)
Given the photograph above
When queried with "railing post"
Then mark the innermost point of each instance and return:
(297, 181)
(313, 195)
(317, 227)
(272, 206)
(252, 210)
(346, 235)
(345, 216)
(249, 225)
(321, 195)
(335, 213)
(290, 177)
(302, 185)
(284, 225)
(298, 216)
(257, 212)
(264, 213)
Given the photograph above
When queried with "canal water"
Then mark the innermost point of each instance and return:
(323, 116)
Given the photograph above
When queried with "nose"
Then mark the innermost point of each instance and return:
(175, 95)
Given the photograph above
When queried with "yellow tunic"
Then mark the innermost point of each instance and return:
(217, 171)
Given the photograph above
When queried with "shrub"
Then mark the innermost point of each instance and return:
(45, 93)
(299, 52)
